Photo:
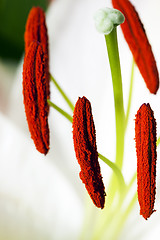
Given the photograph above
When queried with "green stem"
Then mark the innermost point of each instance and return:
(130, 94)
(70, 104)
(115, 169)
(122, 218)
(65, 114)
(115, 216)
(117, 221)
(113, 54)
(131, 181)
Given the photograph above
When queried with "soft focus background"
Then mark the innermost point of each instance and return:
(43, 197)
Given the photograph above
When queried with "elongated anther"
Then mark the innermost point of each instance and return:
(138, 43)
(35, 84)
(36, 29)
(145, 137)
(86, 151)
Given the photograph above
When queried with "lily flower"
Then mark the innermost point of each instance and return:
(42, 197)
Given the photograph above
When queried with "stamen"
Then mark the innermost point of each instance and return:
(86, 151)
(138, 43)
(36, 30)
(145, 137)
(35, 95)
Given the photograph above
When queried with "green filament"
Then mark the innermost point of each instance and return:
(116, 170)
(130, 94)
(68, 101)
(113, 54)
(61, 111)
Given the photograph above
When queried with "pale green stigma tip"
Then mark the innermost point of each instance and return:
(107, 18)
